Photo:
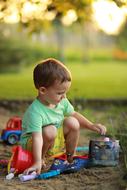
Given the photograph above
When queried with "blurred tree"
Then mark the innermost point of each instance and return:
(38, 10)
(122, 38)
(36, 14)
(15, 53)
(120, 3)
(83, 12)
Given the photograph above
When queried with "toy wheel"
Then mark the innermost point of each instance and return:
(12, 139)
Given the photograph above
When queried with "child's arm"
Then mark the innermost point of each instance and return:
(37, 143)
(85, 123)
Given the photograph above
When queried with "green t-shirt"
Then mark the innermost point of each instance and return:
(38, 116)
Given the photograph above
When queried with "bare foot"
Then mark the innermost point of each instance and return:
(70, 158)
(43, 164)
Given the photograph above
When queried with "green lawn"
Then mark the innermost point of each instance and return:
(102, 80)
(93, 80)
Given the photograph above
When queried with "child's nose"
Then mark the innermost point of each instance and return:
(64, 96)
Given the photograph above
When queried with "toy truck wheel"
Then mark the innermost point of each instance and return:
(13, 139)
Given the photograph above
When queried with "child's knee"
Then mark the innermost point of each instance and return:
(49, 132)
(71, 123)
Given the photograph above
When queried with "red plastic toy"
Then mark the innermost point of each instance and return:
(21, 159)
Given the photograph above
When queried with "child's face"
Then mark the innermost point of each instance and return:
(55, 93)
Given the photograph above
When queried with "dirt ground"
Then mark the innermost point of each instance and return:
(94, 178)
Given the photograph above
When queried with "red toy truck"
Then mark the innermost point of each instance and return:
(11, 134)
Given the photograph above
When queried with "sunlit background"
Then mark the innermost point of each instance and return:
(106, 14)
(89, 36)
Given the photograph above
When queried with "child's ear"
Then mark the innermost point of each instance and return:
(42, 90)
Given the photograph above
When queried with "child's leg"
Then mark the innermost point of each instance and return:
(71, 134)
(49, 134)
(59, 144)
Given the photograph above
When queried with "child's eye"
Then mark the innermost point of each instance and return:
(60, 93)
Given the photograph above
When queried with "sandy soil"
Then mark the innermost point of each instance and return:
(95, 178)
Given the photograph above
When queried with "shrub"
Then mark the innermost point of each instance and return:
(14, 54)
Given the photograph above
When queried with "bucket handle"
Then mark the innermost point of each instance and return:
(9, 163)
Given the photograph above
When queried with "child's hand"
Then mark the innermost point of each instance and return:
(35, 167)
(100, 128)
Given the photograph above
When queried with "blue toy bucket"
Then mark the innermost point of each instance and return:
(104, 153)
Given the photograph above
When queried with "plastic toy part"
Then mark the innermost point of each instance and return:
(51, 173)
(10, 176)
(82, 148)
(13, 138)
(106, 139)
(31, 176)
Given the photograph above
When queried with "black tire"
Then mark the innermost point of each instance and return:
(13, 139)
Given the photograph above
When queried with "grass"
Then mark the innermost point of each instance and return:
(114, 118)
(99, 80)
(93, 80)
